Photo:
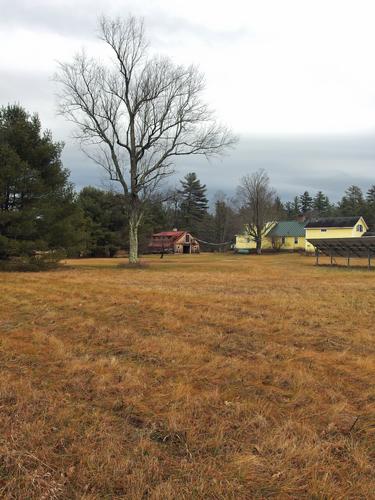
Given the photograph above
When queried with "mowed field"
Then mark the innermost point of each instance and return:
(208, 376)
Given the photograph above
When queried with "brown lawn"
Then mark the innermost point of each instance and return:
(211, 376)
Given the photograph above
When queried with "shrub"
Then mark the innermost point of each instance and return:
(39, 262)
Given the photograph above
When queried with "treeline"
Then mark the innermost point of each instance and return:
(353, 202)
(40, 210)
(185, 208)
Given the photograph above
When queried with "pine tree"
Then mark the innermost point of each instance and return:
(370, 195)
(38, 210)
(321, 204)
(296, 206)
(370, 207)
(352, 203)
(305, 202)
(280, 209)
(289, 210)
(106, 221)
(194, 203)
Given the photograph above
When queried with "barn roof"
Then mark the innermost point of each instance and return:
(333, 222)
(169, 234)
(288, 228)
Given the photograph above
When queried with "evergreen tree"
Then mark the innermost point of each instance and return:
(370, 207)
(292, 208)
(296, 206)
(38, 210)
(155, 219)
(305, 202)
(280, 210)
(352, 203)
(194, 203)
(105, 219)
(289, 210)
(370, 195)
(321, 205)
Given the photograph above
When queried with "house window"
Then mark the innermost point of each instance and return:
(323, 230)
(360, 228)
(283, 240)
(296, 241)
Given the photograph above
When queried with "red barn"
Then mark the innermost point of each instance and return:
(173, 242)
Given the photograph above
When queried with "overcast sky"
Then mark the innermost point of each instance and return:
(295, 79)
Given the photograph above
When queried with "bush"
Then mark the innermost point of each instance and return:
(35, 263)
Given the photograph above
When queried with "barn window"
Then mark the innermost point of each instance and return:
(187, 238)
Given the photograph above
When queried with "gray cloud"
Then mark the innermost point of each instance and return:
(293, 164)
(69, 18)
(79, 19)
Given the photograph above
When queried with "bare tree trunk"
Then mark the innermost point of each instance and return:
(259, 246)
(139, 115)
(134, 221)
(258, 200)
(133, 239)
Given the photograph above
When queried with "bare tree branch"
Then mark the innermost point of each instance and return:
(137, 114)
(257, 200)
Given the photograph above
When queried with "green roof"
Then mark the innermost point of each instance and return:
(288, 228)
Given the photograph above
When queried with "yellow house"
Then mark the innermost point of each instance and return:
(334, 227)
(283, 235)
(288, 235)
(245, 243)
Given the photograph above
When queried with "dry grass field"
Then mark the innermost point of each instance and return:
(211, 376)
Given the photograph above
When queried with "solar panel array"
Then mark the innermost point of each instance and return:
(345, 247)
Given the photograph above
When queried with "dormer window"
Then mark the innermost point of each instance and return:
(359, 228)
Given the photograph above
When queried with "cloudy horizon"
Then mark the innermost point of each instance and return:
(293, 81)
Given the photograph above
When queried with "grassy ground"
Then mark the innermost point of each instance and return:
(211, 376)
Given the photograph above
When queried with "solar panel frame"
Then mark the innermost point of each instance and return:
(345, 247)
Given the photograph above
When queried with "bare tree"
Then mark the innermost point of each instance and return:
(257, 200)
(138, 114)
(226, 221)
